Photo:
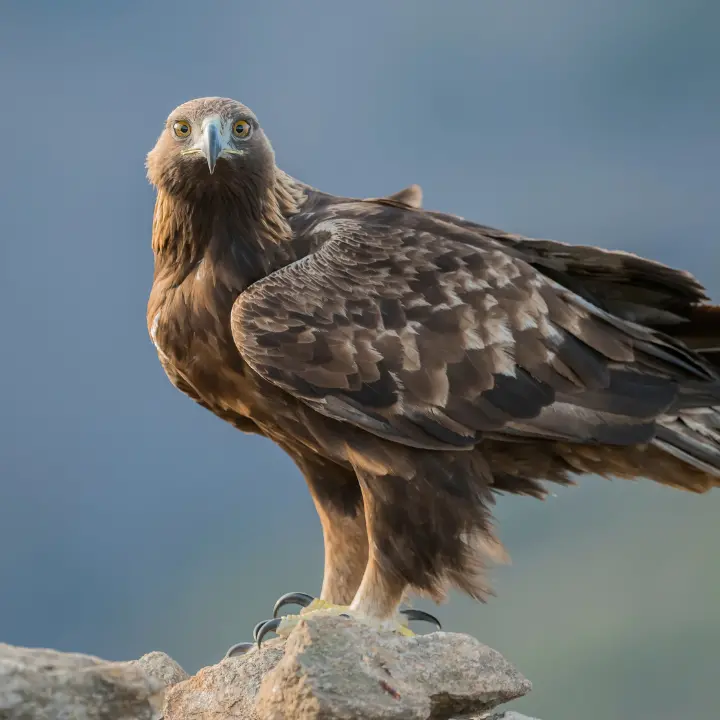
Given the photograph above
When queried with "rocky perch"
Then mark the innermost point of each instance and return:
(330, 668)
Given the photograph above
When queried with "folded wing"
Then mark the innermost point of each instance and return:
(434, 335)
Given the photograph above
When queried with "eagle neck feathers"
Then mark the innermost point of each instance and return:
(242, 233)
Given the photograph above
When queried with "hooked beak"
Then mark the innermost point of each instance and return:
(211, 144)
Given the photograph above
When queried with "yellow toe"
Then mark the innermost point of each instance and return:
(404, 630)
(318, 604)
(329, 608)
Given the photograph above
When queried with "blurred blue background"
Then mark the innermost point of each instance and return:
(132, 519)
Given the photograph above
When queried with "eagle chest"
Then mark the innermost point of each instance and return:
(196, 348)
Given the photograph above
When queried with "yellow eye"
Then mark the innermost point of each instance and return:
(181, 128)
(241, 129)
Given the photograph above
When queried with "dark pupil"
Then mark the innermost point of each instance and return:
(240, 128)
(182, 128)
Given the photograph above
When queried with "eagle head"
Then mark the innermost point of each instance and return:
(210, 144)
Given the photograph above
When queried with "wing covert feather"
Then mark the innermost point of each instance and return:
(418, 336)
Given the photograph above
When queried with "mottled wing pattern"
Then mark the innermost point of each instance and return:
(633, 288)
(433, 336)
(627, 285)
(622, 283)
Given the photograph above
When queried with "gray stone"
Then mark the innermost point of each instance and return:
(330, 668)
(39, 684)
(162, 667)
(337, 669)
(225, 691)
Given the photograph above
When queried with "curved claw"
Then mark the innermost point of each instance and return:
(292, 598)
(413, 614)
(269, 626)
(239, 649)
(256, 629)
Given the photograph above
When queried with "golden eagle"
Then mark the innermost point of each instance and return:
(413, 363)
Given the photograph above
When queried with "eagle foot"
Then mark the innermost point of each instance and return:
(283, 625)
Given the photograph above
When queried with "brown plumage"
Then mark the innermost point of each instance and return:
(413, 363)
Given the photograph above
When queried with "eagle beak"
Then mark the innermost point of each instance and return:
(211, 144)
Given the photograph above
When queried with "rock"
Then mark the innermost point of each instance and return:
(39, 684)
(335, 669)
(340, 669)
(162, 667)
(226, 690)
(330, 668)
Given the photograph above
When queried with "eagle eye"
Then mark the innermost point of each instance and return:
(241, 128)
(182, 129)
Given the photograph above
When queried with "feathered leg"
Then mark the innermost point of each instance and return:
(382, 588)
(339, 504)
(338, 501)
(428, 523)
(416, 541)
(384, 579)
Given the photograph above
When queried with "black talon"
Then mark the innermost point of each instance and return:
(239, 649)
(256, 629)
(269, 626)
(413, 614)
(266, 626)
(292, 598)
